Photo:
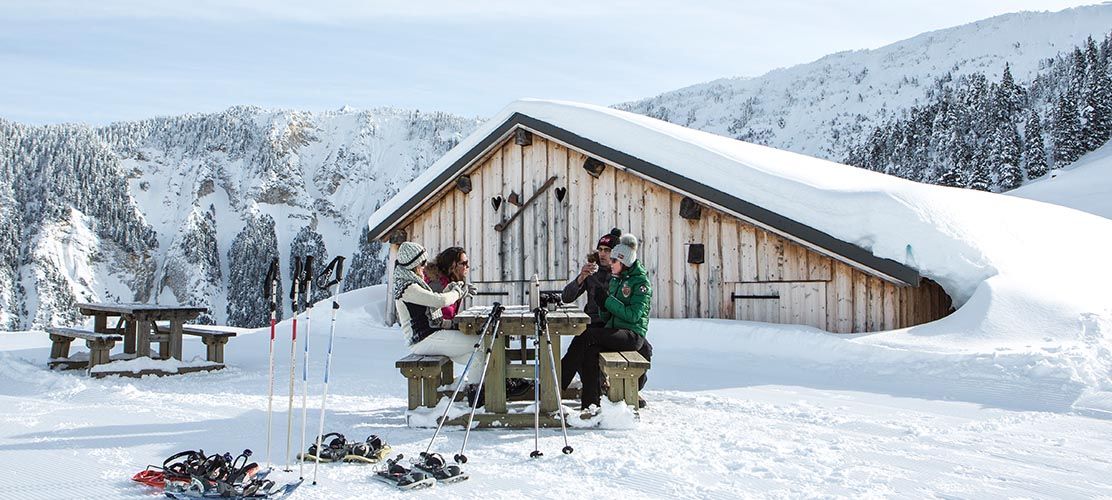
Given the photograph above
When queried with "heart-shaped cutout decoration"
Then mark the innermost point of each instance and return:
(496, 202)
(560, 193)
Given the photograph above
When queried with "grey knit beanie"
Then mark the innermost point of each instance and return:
(626, 251)
(410, 255)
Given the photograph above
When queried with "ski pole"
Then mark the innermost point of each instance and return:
(308, 279)
(337, 264)
(496, 314)
(295, 293)
(538, 314)
(270, 291)
(552, 362)
(462, 377)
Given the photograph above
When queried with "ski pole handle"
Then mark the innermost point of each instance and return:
(296, 278)
(271, 277)
(337, 266)
(308, 270)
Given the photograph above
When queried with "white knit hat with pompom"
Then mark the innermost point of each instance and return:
(626, 251)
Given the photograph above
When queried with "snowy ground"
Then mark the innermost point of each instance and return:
(772, 422)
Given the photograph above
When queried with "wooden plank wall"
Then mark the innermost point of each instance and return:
(551, 238)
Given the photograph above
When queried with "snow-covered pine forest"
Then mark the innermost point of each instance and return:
(996, 135)
(190, 209)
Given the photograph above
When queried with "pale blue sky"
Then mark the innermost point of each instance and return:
(105, 60)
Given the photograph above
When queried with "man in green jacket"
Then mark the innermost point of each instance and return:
(625, 315)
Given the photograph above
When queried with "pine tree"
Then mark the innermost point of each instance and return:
(1097, 100)
(309, 242)
(368, 265)
(1006, 161)
(1034, 153)
(1066, 132)
(951, 177)
(248, 262)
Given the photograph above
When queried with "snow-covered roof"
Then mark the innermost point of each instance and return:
(687, 164)
(1014, 267)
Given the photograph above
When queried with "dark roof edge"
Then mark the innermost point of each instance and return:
(667, 177)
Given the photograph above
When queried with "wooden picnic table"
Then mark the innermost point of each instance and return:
(519, 321)
(137, 325)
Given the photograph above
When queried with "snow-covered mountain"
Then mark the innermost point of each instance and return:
(185, 209)
(176, 209)
(824, 107)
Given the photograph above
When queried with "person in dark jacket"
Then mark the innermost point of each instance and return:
(593, 280)
(624, 311)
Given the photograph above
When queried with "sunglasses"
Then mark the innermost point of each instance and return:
(463, 263)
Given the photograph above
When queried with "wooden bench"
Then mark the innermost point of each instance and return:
(100, 346)
(623, 369)
(425, 373)
(214, 339)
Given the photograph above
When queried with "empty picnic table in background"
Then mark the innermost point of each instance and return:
(138, 326)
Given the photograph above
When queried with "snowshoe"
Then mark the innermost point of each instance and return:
(402, 478)
(176, 468)
(371, 451)
(221, 476)
(332, 450)
(435, 465)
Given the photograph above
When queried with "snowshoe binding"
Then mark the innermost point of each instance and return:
(435, 465)
(402, 478)
(332, 450)
(371, 451)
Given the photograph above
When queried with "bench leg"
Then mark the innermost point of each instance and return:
(60, 346)
(447, 374)
(215, 349)
(414, 392)
(428, 388)
(99, 351)
(630, 389)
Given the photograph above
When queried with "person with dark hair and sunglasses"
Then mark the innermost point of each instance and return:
(420, 312)
(450, 266)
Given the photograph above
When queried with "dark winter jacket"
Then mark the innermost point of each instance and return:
(596, 286)
(629, 301)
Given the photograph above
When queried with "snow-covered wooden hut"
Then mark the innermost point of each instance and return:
(727, 228)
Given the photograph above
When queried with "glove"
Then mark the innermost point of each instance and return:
(472, 290)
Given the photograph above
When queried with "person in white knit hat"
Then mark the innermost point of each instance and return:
(419, 312)
(624, 311)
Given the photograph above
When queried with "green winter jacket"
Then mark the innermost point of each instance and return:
(629, 301)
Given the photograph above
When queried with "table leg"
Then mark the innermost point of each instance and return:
(495, 384)
(129, 336)
(550, 399)
(142, 336)
(164, 346)
(100, 323)
(175, 338)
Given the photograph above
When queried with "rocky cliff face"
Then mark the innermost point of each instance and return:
(190, 209)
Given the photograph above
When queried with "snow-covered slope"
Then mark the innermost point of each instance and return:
(786, 412)
(1085, 185)
(821, 107)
